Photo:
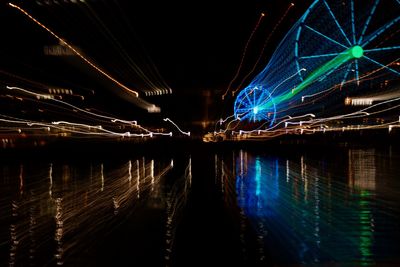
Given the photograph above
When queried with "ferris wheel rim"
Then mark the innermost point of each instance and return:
(355, 42)
(251, 112)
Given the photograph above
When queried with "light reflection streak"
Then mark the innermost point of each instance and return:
(21, 179)
(143, 167)
(335, 222)
(176, 202)
(50, 180)
(138, 178)
(231, 195)
(152, 174)
(13, 235)
(223, 176)
(130, 172)
(59, 231)
(362, 170)
(216, 164)
(71, 211)
(102, 177)
(287, 171)
(32, 228)
(190, 171)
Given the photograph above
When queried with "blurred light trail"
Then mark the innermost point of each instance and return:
(222, 121)
(185, 133)
(321, 121)
(370, 99)
(243, 55)
(79, 128)
(131, 63)
(287, 79)
(308, 123)
(112, 119)
(263, 48)
(135, 93)
(150, 74)
(71, 127)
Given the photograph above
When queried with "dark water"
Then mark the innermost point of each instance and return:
(204, 207)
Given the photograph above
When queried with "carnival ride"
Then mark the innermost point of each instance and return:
(336, 47)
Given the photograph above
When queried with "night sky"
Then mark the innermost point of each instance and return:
(195, 46)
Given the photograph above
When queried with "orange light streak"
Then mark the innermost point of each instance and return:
(76, 52)
(243, 55)
(265, 45)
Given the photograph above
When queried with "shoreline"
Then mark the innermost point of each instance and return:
(113, 149)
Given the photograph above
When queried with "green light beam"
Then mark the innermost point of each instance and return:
(354, 52)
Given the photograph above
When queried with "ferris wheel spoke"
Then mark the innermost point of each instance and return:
(242, 110)
(248, 114)
(318, 56)
(380, 31)
(357, 72)
(383, 66)
(353, 24)
(324, 36)
(260, 98)
(265, 117)
(368, 21)
(346, 74)
(242, 104)
(248, 98)
(337, 22)
(254, 98)
(382, 48)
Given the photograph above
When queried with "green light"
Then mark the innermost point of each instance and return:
(342, 58)
(255, 110)
(357, 51)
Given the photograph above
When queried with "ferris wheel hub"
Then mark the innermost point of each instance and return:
(357, 51)
(255, 110)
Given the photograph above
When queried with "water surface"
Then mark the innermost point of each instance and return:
(237, 207)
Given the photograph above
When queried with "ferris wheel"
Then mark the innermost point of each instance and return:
(367, 29)
(334, 44)
(249, 101)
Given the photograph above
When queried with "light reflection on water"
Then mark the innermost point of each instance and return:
(56, 211)
(292, 209)
(306, 212)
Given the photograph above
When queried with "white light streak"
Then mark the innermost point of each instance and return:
(185, 133)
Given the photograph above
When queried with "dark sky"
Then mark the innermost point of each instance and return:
(198, 44)
(195, 45)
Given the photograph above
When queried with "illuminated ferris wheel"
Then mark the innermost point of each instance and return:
(367, 30)
(334, 44)
(249, 101)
